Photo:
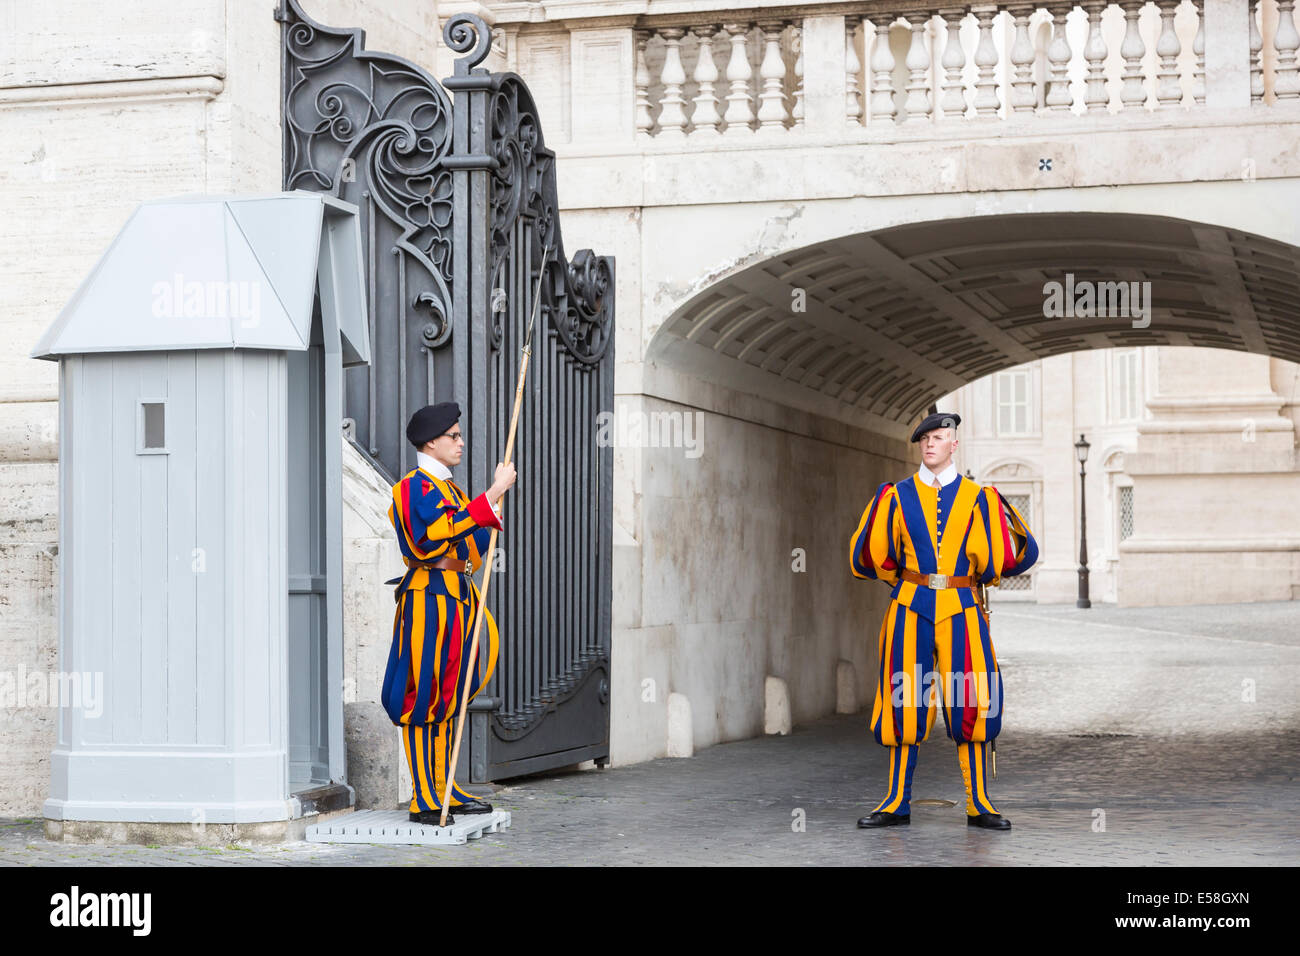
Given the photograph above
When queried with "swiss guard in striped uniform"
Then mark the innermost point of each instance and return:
(443, 536)
(935, 536)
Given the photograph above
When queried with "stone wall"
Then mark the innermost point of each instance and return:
(103, 107)
(731, 563)
(100, 109)
(1210, 456)
(1214, 475)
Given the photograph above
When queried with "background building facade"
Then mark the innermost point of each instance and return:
(1143, 411)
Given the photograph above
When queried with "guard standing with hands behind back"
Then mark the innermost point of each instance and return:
(936, 536)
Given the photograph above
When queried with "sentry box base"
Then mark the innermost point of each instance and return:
(394, 826)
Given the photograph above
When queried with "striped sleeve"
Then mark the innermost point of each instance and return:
(874, 546)
(1010, 548)
(1023, 549)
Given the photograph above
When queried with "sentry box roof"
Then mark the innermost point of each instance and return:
(212, 272)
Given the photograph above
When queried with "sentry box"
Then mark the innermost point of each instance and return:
(200, 526)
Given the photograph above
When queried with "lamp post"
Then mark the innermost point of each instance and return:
(1081, 449)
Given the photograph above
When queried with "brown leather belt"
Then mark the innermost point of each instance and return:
(442, 564)
(939, 581)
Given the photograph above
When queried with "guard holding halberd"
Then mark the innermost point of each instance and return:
(443, 536)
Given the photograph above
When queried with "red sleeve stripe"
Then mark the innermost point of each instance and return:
(1008, 548)
(864, 554)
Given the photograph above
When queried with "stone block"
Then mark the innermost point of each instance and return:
(846, 688)
(372, 759)
(776, 707)
(681, 738)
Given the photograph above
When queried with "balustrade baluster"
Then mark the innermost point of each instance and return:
(797, 45)
(705, 117)
(644, 122)
(1198, 48)
(1023, 98)
(1058, 55)
(740, 112)
(1169, 88)
(1256, 55)
(772, 112)
(954, 59)
(672, 118)
(1133, 94)
(1096, 98)
(986, 59)
(882, 76)
(917, 104)
(1286, 76)
(852, 90)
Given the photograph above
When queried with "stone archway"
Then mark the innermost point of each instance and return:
(882, 323)
(809, 355)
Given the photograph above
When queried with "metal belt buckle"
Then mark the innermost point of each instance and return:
(938, 581)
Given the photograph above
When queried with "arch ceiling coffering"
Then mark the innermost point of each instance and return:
(894, 319)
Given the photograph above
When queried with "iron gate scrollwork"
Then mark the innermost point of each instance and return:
(457, 197)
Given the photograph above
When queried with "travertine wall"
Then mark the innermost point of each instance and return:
(103, 106)
(1211, 458)
(99, 109)
(731, 565)
(1215, 473)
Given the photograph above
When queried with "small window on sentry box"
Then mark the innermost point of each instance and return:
(153, 427)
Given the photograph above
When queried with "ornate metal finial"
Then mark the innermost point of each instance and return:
(465, 31)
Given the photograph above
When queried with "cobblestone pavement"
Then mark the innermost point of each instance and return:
(1207, 777)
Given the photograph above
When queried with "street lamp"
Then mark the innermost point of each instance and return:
(1081, 449)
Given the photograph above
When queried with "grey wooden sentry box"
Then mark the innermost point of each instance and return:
(200, 538)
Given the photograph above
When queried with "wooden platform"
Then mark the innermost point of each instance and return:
(393, 826)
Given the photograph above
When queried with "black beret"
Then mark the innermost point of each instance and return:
(431, 421)
(937, 420)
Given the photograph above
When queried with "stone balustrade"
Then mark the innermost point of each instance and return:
(876, 65)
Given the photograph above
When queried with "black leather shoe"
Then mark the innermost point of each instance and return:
(472, 806)
(989, 821)
(430, 817)
(879, 819)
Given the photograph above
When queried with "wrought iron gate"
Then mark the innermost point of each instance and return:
(458, 200)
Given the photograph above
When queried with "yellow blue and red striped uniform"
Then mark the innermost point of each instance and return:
(941, 636)
(433, 625)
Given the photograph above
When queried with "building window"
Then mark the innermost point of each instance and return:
(1013, 402)
(1125, 511)
(1125, 392)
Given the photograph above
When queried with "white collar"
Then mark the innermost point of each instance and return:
(433, 466)
(944, 477)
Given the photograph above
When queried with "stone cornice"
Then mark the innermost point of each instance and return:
(202, 87)
(684, 12)
(1031, 130)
